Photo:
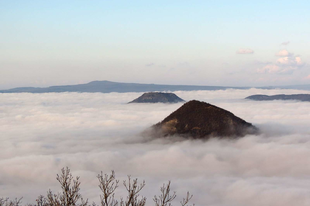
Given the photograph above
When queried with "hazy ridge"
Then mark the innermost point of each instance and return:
(108, 86)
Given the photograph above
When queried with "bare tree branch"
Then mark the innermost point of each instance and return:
(185, 201)
(133, 188)
(70, 191)
(108, 185)
(165, 197)
(8, 202)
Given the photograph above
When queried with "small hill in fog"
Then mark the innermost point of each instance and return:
(299, 97)
(157, 97)
(202, 120)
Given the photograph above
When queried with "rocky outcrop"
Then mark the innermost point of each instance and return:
(197, 119)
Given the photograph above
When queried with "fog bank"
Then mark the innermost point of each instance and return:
(93, 132)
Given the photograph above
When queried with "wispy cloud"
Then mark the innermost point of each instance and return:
(284, 53)
(150, 64)
(285, 43)
(269, 68)
(286, 63)
(245, 51)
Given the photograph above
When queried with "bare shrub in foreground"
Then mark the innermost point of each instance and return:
(186, 200)
(8, 202)
(165, 198)
(133, 189)
(108, 185)
(70, 195)
(70, 191)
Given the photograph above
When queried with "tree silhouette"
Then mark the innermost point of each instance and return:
(70, 195)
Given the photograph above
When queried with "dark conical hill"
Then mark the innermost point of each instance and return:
(202, 120)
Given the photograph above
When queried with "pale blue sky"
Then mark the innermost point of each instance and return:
(173, 42)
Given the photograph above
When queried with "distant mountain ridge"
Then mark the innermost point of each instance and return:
(108, 86)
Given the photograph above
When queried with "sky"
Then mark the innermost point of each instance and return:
(93, 132)
(223, 42)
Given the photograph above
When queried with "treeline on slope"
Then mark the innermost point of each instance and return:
(71, 196)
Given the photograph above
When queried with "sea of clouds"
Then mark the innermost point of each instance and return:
(93, 132)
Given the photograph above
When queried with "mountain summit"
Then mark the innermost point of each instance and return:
(157, 97)
(202, 120)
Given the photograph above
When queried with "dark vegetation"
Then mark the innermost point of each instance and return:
(299, 97)
(197, 119)
(157, 97)
(71, 196)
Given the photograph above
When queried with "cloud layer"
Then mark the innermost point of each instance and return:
(41, 133)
